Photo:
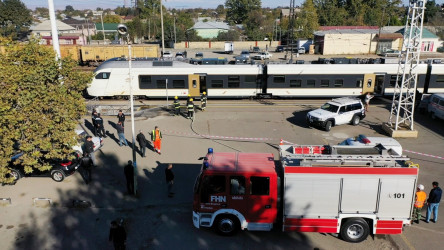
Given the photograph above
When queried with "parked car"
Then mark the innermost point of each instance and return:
(301, 50)
(180, 55)
(81, 137)
(279, 48)
(199, 55)
(256, 49)
(167, 54)
(245, 53)
(391, 53)
(435, 106)
(240, 60)
(59, 171)
(386, 142)
(262, 56)
(336, 112)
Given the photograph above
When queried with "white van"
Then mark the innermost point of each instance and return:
(436, 106)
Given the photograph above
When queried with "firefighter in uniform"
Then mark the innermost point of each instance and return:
(190, 108)
(188, 99)
(203, 101)
(176, 106)
(421, 197)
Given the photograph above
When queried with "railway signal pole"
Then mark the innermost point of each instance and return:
(401, 116)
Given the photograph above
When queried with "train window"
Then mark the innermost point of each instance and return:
(178, 84)
(359, 83)
(311, 83)
(339, 83)
(325, 83)
(279, 79)
(393, 80)
(440, 78)
(103, 75)
(250, 78)
(295, 83)
(161, 84)
(145, 82)
(233, 82)
(217, 83)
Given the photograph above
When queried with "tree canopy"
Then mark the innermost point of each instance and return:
(15, 19)
(111, 19)
(238, 10)
(40, 104)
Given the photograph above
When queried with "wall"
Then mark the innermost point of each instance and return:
(209, 33)
(335, 44)
(221, 45)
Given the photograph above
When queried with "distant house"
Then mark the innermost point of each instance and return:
(392, 37)
(107, 27)
(285, 13)
(84, 27)
(67, 33)
(210, 29)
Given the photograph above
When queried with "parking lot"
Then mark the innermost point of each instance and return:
(155, 221)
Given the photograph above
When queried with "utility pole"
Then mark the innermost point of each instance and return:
(290, 36)
(161, 24)
(401, 116)
(54, 32)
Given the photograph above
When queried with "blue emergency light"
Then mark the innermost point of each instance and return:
(210, 150)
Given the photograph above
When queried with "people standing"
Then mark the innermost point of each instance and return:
(368, 97)
(169, 176)
(87, 164)
(433, 202)
(156, 137)
(94, 123)
(420, 199)
(190, 108)
(100, 127)
(203, 101)
(141, 139)
(176, 106)
(121, 133)
(88, 149)
(188, 99)
(129, 176)
(117, 235)
(121, 117)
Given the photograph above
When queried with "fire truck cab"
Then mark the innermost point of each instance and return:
(353, 191)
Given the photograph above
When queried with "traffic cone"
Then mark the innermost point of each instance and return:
(282, 142)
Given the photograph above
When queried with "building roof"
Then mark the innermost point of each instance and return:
(425, 33)
(323, 28)
(346, 31)
(211, 25)
(46, 26)
(107, 26)
(390, 36)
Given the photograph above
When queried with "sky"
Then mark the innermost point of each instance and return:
(178, 4)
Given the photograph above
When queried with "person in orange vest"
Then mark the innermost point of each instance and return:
(156, 137)
(421, 197)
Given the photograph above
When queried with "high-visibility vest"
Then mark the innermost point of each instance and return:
(191, 106)
(176, 104)
(156, 135)
(421, 197)
(203, 99)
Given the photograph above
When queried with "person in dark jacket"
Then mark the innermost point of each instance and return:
(141, 139)
(117, 235)
(93, 119)
(121, 117)
(169, 176)
(433, 202)
(121, 133)
(88, 149)
(87, 164)
(129, 175)
(100, 131)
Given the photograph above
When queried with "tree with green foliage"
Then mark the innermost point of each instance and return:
(111, 19)
(253, 26)
(307, 22)
(15, 19)
(43, 12)
(220, 10)
(231, 35)
(432, 9)
(238, 10)
(69, 9)
(40, 105)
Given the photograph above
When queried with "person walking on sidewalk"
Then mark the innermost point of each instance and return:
(176, 106)
(121, 133)
(121, 117)
(433, 202)
(129, 176)
(142, 143)
(420, 199)
(117, 235)
(169, 176)
(156, 137)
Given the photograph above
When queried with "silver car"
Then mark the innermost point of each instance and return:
(81, 137)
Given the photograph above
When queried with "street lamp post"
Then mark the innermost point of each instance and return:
(123, 30)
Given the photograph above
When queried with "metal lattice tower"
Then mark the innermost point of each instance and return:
(403, 104)
(290, 35)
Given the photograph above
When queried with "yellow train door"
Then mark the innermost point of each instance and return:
(194, 85)
(369, 83)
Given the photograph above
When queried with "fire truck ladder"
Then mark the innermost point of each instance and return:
(405, 89)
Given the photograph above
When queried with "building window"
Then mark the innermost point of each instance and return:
(161, 84)
(103, 75)
(325, 83)
(339, 83)
(233, 82)
(311, 83)
(295, 83)
(217, 83)
(178, 84)
(279, 79)
(144, 82)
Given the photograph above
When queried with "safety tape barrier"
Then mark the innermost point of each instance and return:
(428, 155)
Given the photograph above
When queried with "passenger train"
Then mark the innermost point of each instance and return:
(158, 79)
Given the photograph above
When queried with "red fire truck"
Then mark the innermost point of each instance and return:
(349, 190)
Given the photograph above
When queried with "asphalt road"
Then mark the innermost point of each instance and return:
(154, 221)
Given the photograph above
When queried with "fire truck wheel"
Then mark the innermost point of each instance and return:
(227, 225)
(354, 230)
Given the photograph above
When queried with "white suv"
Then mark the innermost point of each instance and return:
(436, 106)
(336, 112)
